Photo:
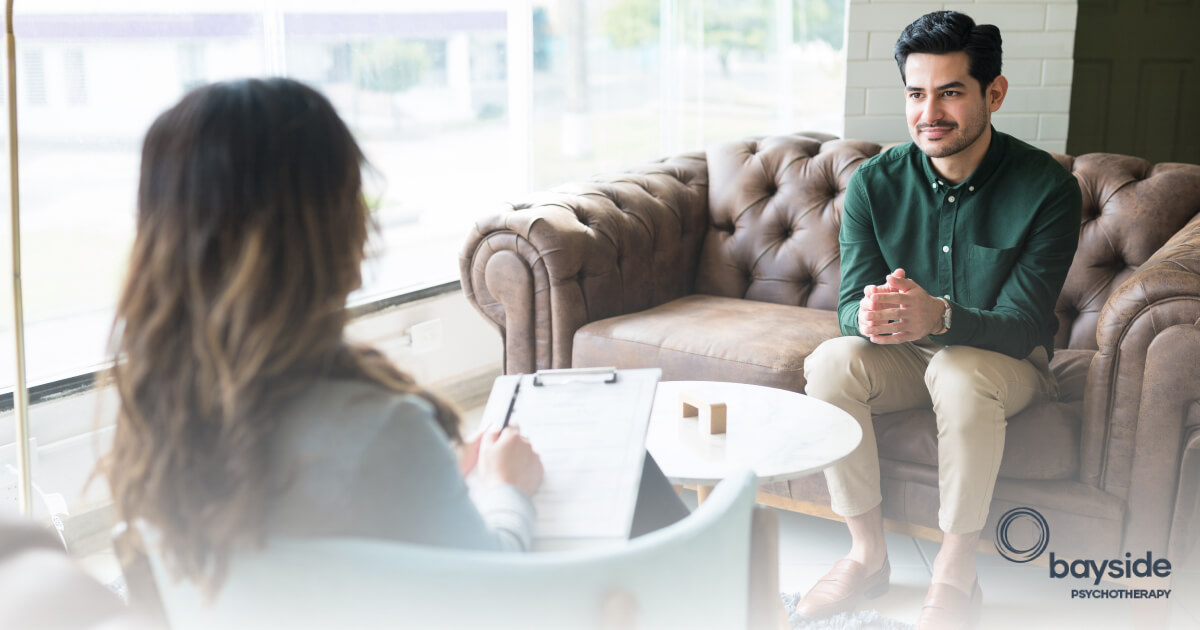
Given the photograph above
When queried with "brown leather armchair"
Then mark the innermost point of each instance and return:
(723, 265)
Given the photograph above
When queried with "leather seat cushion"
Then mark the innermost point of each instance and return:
(709, 338)
(1041, 442)
(1070, 368)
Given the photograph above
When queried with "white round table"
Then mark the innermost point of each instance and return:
(779, 434)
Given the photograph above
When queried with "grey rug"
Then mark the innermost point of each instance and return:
(857, 620)
(119, 588)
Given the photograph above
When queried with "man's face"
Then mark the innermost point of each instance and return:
(946, 110)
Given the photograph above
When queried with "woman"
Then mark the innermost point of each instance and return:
(244, 413)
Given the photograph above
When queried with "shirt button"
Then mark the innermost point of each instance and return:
(971, 188)
(945, 248)
(951, 198)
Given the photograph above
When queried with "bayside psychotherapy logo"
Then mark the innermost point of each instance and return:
(1032, 537)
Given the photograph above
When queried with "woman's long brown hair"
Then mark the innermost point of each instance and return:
(251, 228)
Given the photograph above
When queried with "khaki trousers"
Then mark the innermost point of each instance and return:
(972, 392)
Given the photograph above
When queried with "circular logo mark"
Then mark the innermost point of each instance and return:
(1024, 554)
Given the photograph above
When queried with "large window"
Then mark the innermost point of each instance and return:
(459, 104)
(619, 81)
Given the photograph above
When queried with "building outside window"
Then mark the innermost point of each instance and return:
(191, 65)
(34, 69)
(76, 77)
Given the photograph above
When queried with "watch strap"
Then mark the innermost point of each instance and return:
(946, 315)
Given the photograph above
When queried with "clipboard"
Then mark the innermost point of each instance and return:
(589, 427)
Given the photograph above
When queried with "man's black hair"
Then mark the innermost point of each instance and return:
(943, 32)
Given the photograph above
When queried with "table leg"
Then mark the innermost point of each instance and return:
(702, 493)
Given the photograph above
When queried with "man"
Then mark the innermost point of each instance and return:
(954, 249)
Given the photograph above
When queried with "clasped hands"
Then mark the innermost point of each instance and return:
(898, 311)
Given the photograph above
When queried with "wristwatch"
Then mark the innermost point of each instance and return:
(945, 317)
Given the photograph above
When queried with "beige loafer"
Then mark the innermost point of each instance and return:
(947, 608)
(841, 589)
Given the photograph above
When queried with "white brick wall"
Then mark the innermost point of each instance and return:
(1039, 40)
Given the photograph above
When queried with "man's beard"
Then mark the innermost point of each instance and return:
(949, 145)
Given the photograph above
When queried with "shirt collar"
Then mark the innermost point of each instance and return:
(991, 160)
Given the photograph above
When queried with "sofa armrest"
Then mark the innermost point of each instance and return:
(1166, 419)
(1138, 387)
(1185, 525)
(541, 269)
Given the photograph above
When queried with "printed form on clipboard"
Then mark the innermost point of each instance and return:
(589, 428)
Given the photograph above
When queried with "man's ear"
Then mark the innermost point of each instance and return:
(996, 92)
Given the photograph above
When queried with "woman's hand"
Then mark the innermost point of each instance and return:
(508, 457)
(468, 453)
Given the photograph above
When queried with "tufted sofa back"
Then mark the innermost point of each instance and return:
(775, 207)
(1130, 209)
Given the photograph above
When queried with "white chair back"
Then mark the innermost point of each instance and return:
(693, 574)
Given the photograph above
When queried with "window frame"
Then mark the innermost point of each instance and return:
(87, 380)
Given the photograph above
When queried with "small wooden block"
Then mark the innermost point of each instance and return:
(712, 415)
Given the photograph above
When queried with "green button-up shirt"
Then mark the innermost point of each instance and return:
(996, 246)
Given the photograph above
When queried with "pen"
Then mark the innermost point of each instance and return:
(511, 405)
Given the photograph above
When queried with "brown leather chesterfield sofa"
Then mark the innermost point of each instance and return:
(723, 265)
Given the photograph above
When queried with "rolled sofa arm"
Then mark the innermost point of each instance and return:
(1185, 526)
(541, 269)
(1142, 383)
(1165, 474)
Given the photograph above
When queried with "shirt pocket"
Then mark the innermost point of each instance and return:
(987, 269)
